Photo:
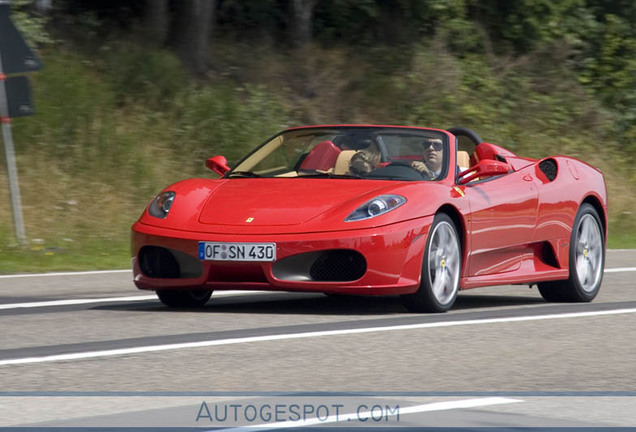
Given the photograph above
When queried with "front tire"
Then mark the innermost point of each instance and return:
(184, 298)
(587, 261)
(440, 270)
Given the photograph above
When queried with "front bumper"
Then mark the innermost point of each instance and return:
(377, 261)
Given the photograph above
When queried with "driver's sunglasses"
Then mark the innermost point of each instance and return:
(437, 146)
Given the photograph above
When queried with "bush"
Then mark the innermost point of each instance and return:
(100, 147)
(113, 130)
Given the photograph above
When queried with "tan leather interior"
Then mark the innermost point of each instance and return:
(463, 160)
(342, 163)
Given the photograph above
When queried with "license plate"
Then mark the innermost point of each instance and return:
(212, 251)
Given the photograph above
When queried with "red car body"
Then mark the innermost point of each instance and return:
(513, 219)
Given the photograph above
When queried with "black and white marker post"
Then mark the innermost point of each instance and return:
(15, 100)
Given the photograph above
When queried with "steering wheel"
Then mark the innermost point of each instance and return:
(398, 170)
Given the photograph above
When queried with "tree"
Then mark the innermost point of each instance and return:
(302, 21)
(157, 21)
(194, 31)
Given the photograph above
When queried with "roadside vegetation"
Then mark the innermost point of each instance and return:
(118, 120)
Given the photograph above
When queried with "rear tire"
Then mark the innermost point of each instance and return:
(587, 261)
(184, 298)
(440, 270)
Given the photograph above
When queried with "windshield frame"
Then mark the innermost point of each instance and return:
(336, 132)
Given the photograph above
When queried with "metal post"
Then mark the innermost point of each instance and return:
(12, 171)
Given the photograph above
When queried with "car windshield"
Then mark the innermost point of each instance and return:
(389, 153)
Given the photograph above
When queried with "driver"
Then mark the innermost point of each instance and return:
(433, 156)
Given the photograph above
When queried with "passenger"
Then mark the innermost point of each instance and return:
(363, 162)
(433, 157)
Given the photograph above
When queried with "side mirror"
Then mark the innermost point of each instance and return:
(485, 168)
(218, 164)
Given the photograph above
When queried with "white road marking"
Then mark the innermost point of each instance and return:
(95, 272)
(72, 302)
(252, 339)
(620, 269)
(75, 302)
(98, 272)
(361, 416)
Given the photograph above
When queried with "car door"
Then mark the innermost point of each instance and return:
(502, 222)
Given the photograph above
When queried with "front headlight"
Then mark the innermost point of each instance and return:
(376, 207)
(160, 206)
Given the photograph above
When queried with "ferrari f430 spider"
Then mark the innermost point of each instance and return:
(376, 210)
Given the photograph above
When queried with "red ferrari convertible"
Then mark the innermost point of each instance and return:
(376, 210)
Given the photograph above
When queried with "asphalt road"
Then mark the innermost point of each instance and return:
(89, 349)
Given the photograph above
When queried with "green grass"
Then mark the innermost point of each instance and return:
(113, 129)
(40, 257)
(619, 239)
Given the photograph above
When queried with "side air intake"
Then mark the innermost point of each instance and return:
(549, 168)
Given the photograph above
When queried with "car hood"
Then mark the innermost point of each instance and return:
(284, 202)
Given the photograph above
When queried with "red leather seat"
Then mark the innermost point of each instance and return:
(322, 157)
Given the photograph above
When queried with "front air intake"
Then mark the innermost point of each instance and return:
(160, 262)
(333, 265)
(338, 266)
